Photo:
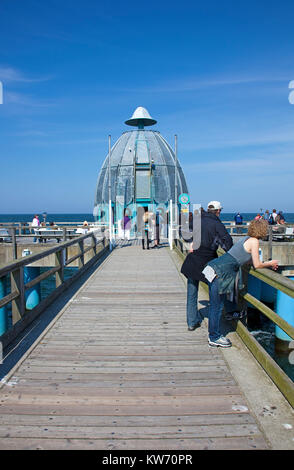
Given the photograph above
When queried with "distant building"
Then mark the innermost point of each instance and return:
(142, 167)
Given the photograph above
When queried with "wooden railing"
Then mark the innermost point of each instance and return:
(276, 280)
(21, 317)
(19, 233)
(233, 229)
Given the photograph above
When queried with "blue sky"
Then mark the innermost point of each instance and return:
(216, 74)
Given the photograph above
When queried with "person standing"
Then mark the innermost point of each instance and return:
(221, 274)
(36, 224)
(126, 225)
(158, 226)
(146, 229)
(266, 215)
(213, 234)
(238, 221)
(280, 218)
(272, 218)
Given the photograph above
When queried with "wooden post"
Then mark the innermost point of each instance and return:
(94, 245)
(270, 242)
(81, 260)
(14, 246)
(59, 261)
(18, 304)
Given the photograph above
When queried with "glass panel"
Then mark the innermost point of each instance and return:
(142, 184)
(142, 152)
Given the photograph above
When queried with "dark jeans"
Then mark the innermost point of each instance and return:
(145, 237)
(216, 304)
(193, 315)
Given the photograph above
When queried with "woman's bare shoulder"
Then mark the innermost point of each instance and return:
(251, 243)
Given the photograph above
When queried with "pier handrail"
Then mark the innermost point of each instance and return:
(276, 280)
(16, 233)
(21, 317)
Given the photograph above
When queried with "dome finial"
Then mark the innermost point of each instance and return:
(141, 118)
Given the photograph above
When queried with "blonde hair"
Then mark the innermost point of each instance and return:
(258, 228)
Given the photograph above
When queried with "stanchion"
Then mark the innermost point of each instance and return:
(284, 307)
(3, 310)
(33, 295)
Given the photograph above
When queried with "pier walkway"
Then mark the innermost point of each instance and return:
(117, 369)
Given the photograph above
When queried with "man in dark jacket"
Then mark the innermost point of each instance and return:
(213, 235)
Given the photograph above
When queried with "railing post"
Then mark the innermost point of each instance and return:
(18, 304)
(59, 261)
(13, 239)
(33, 295)
(94, 245)
(81, 260)
(3, 310)
(270, 242)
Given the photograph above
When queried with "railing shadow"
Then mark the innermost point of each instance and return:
(18, 348)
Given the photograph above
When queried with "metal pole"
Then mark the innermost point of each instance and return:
(176, 181)
(109, 193)
(170, 231)
(176, 165)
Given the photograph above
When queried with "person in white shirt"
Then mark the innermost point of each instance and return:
(36, 223)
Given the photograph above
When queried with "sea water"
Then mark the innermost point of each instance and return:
(58, 218)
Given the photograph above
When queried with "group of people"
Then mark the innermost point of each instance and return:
(220, 273)
(149, 226)
(36, 224)
(273, 218)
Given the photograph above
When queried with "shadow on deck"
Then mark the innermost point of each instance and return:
(115, 368)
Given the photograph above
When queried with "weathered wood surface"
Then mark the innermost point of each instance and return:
(119, 370)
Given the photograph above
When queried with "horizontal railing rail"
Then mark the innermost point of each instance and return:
(21, 316)
(279, 282)
(18, 237)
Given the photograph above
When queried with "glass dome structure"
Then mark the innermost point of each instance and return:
(143, 170)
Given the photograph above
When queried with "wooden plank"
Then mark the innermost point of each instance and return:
(221, 443)
(78, 389)
(176, 377)
(222, 405)
(208, 402)
(117, 421)
(119, 370)
(128, 432)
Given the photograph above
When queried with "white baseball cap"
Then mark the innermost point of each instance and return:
(216, 205)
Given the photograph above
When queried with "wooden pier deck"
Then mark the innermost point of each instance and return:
(117, 370)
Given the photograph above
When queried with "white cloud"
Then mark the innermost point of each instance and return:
(11, 74)
(22, 99)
